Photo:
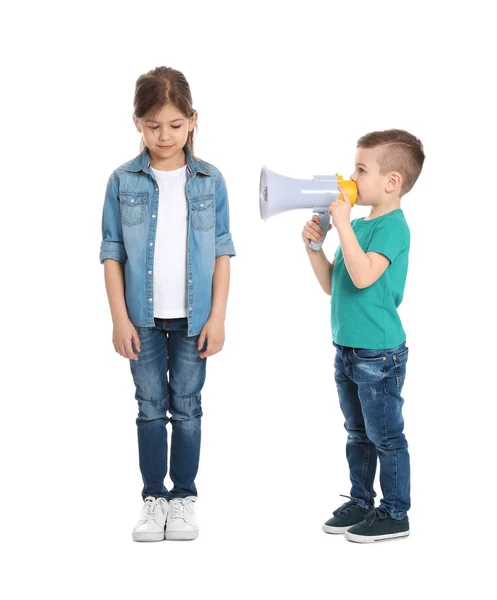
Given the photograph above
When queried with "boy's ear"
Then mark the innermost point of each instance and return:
(394, 181)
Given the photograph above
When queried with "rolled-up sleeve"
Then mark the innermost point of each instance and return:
(224, 242)
(112, 234)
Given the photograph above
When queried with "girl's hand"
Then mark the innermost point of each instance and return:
(214, 332)
(312, 231)
(124, 334)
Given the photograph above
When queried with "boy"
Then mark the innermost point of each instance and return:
(367, 278)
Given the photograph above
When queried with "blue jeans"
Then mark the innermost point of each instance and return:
(166, 347)
(369, 386)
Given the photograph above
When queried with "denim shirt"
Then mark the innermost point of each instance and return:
(129, 225)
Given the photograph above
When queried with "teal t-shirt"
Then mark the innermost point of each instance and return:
(368, 318)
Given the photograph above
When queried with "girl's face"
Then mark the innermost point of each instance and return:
(165, 133)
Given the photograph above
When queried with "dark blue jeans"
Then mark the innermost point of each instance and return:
(166, 348)
(369, 386)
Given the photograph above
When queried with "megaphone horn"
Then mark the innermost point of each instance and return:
(278, 194)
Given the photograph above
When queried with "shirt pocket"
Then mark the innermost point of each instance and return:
(132, 207)
(203, 211)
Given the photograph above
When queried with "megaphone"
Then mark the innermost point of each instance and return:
(278, 194)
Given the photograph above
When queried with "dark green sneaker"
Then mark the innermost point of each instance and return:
(377, 526)
(344, 517)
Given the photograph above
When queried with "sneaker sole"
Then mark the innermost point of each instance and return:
(179, 536)
(366, 539)
(336, 530)
(148, 537)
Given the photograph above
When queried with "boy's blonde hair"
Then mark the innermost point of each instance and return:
(402, 152)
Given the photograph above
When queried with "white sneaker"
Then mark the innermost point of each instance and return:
(181, 523)
(150, 527)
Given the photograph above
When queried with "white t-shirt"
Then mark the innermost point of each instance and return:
(170, 245)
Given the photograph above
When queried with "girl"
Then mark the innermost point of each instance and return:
(166, 248)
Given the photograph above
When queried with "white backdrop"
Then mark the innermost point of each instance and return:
(291, 86)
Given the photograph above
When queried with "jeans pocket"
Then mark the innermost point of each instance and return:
(369, 355)
(400, 361)
(132, 207)
(203, 213)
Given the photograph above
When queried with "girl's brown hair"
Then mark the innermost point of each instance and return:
(159, 87)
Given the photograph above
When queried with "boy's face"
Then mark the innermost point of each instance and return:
(165, 133)
(371, 186)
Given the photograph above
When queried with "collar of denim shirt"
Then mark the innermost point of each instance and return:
(142, 163)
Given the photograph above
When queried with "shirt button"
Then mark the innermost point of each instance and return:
(190, 308)
(190, 281)
(201, 206)
(131, 200)
(150, 299)
(153, 216)
(151, 244)
(150, 272)
(156, 189)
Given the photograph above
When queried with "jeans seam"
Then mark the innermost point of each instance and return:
(366, 466)
(390, 446)
(394, 501)
(394, 450)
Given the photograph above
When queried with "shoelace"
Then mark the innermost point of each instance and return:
(150, 507)
(376, 514)
(345, 508)
(148, 510)
(178, 506)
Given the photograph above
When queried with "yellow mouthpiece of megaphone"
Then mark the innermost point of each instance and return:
(349, 187)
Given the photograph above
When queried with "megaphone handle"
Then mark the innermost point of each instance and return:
(324, 223)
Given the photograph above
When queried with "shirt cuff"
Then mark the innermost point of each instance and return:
(224, 245)
(114, 250)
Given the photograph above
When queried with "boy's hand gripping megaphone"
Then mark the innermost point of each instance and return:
(279, 194)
